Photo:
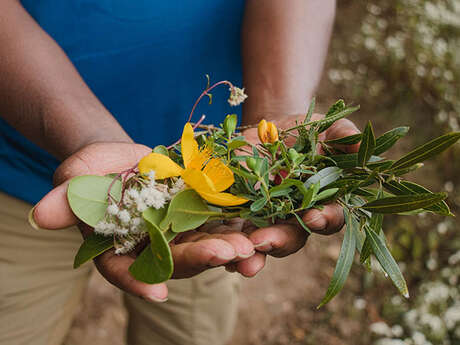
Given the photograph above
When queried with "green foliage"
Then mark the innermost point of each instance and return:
(93, 246)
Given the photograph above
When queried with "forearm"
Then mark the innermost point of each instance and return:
(284, 45)
(41, 93)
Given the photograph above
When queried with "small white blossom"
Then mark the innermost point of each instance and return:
(380, 328)
(113, 209)
(121, 231)
(124, 216)
(237, 96)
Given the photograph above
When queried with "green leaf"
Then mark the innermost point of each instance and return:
(366, 149)
(428, 150)
(186, 211)
(350, 160)
(404, 203)
(387, 262)
(258, 204)
(155, 264)
(87, 197)
(344, 262)
(325, 194)
(327, 122)
(161, 149)
(279, 191)
(366, 250)
(388, 139)
(91, 247)
(311, 107)
(349, 140)
(235, 144)
(301, 222)
(336, 107)
(154, 216)
(408, 188)
(325, 177)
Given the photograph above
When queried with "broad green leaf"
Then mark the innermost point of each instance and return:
(329, 120)
(186, 211)
(91, 247)
(258, 204)
(387, 262)
(388, 139)
(428, 150)
(344, 262)
(155, 264)
(408, 188)
(154, 216)
(349, 140)
(325, 194)
(87, 197)
(404, 203)
(169, 235)
(161, 149)
(235, 144)
(366, 149)
(325, 177)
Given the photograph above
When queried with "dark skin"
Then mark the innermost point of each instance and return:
(44, 98)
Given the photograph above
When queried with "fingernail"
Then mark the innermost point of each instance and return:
(313, 220)
(221, 259)
(264, 246)
(245, 256)
(155, 299)
(31, 219)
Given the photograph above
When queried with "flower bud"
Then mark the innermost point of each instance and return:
(267, 131)
(251, 163)
(230, 124)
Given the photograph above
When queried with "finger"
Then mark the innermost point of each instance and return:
(191, 258)
(279, 240)
(342, 128)
(251, 266)
(100, 159)
(115, 269)
(327, 221)
(53, 211)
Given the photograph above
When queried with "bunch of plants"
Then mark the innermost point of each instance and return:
(213, 173)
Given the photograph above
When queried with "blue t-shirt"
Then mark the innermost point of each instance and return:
(145, 60)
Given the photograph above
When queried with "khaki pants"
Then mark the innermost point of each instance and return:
(40, 292)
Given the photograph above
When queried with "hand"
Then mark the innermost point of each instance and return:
(287, 237)
(192, 253)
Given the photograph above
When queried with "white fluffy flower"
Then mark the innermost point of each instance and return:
(381, 328)
(153, 197)
(124, 216)
(121, 231)
(178, 186)
(237, 96)
(113, 209)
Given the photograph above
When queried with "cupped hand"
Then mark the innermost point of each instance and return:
(192, 253)
(285, 238)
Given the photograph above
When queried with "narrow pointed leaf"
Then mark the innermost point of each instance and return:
(404, 203)
(344, 262)
(366, 149)
(349, 140)
(325, 177)
(388, 139)
(329, 120)
(428, 150)
(310, 110)
(350, 160)
(336, 107)
(387, 262)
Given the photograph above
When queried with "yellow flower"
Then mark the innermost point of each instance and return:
(208, 176)
(267, 131)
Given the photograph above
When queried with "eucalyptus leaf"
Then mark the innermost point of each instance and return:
(428, 150)
(155, 264)
(91, 247)
(87, 197)
(344, 262)
(186, 211)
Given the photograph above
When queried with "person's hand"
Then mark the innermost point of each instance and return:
(285, 238)
(192, 253)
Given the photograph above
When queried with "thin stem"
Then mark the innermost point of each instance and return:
(194, 127)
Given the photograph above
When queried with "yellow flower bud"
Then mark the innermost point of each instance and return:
(268, 133)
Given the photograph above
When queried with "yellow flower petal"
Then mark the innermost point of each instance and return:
(189, 146)
(267, 131)
(200, 159)
(197, 180)
(162, 165)
(220, 174)
(222, 199)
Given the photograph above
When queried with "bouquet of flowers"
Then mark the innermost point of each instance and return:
(213, 173)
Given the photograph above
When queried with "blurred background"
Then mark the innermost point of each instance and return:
(400, 60)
